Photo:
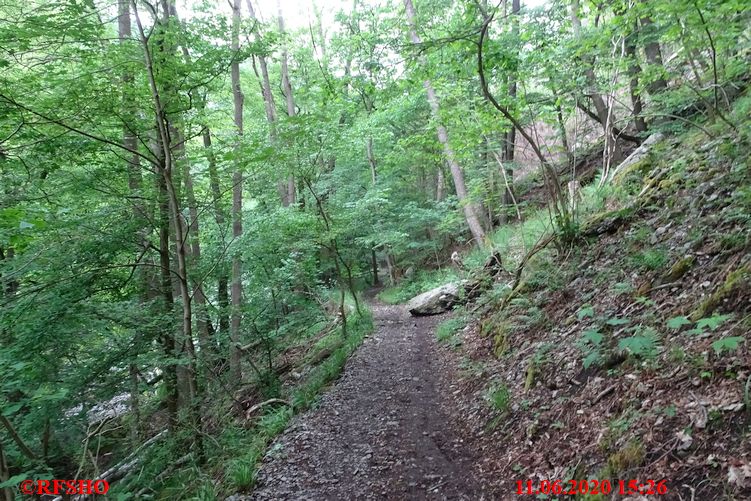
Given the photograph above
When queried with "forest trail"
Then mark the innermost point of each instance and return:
(383, 430)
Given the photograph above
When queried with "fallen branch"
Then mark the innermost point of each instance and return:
(540, 245)
(17, 438)
(607, 391)
(253, 409)
(123, 468)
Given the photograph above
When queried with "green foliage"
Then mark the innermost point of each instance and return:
(422, 281)
(591, 344)
(650, 259)
(727, 344)
(499, 397)
(700, 326)
(93, 296)
(447, 330)
(644, 344)
(585, 311)
(712, 323)
(678, 322)
(242, 475)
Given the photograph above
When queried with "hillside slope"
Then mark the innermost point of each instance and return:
(625, 355)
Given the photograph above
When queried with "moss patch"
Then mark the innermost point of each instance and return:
(679, 268)
(736, 281)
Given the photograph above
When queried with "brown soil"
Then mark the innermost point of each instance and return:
(384, 431)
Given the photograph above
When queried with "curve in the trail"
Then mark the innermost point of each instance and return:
(381, 432)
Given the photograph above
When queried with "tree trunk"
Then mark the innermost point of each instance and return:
(268, 96)
(165, 168)
(561, 123)
(633, 72)
(193, 228)
(371, 159)
(374, 264)
(220, 217)
(509, 139)
(291, 111)
(470, 209)
(7, 493)
(612, 148)
(167, 340)
(653, 53)
(439, 182)
(130, 142)
(270, 106)
(237, 190)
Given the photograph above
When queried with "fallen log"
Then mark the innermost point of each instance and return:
(121, 469)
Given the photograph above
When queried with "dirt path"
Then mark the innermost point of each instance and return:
(382, 432)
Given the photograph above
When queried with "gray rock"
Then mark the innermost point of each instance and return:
(638, 154)
(433, 302)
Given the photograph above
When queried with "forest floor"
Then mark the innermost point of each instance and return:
(385, 429)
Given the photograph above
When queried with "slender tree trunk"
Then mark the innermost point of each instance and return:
(371, 159)
(612, 147)
(470, 209)
(220, 217)
(202, 319)
(237, 190)
(268, 96)
(270, 107)
(633, 72)
(509, 140)
(291, 110)
(166, 168)
(134, 186)
(653, 54)
(439, 184)
(374, 265)
(6, 494)
(203, 323)
(561, 123)
(167, 340)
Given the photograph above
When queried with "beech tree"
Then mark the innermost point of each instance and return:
(469, 207)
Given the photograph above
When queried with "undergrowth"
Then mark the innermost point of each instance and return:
(422, 281)
(238, 445)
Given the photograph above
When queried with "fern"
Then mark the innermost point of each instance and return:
(677, 322)
(713, 322)
(727, 344)
(643, 345)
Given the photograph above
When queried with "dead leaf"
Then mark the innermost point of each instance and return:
(699, 416)
(685, 440)
(740, 475)
(733, 407)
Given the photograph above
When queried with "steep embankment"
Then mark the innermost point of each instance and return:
(625, 355)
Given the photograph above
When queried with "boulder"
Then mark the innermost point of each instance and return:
(435, 301)
(638, 156)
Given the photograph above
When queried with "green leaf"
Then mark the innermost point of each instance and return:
(727, 344)
(592, 358)
(593, 336)
(618, 321)
(644, 346)
(11, 409)
(678, 322)
(713, 322)
(586, 310)
(14, 480)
